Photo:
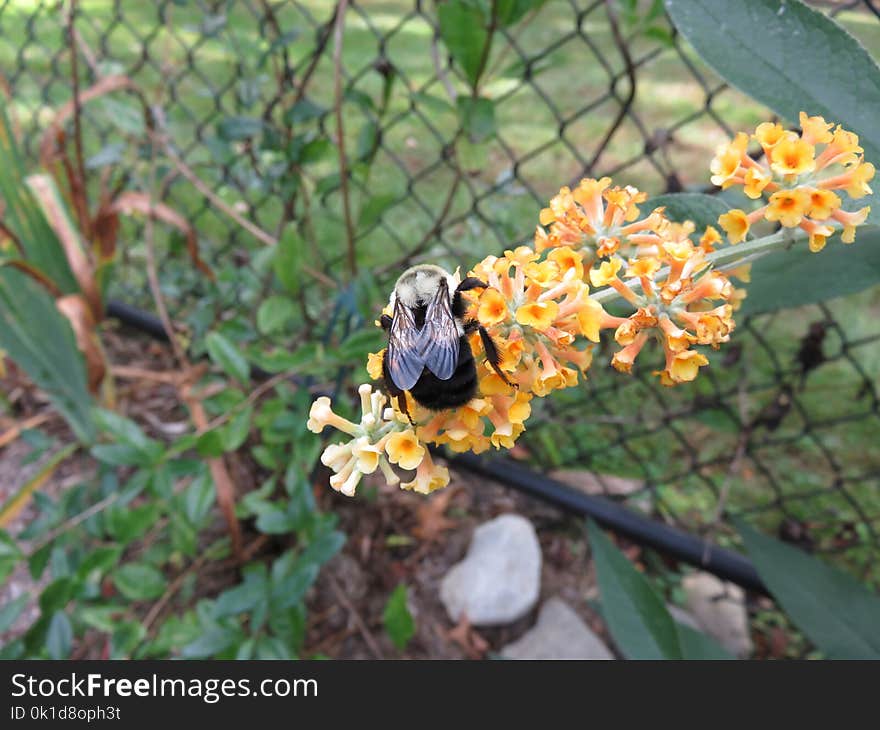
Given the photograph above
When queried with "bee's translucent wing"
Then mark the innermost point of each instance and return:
(404, 355)
(440, 335)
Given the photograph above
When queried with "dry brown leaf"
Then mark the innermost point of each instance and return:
(431, 515)
(44, 189)
(471, 643)
(223, 485)
(75, 308)
(13, 432)
(55, 133)
(129, 203)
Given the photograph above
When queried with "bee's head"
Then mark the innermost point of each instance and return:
(418, 285)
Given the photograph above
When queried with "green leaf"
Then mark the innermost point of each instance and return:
(227, 356)
(10, 554)
(244, 596)
(126, 523)
(788, 56)
(838, 269)
(837, 613)
(373, 209)
(703, 210)
(211, 642)
(60, 636)
(236, 431)
(236, 128)
(23, 216)
(274, 313)
(98, 562)
(477, 117)
(432, 103)
(139, 581)
(696, 646)
(12, 610)
(40, 340)
(210, 444)
(510, 11)
(288, 260)
(399, 623)
(198, 499)
(303, 111)
(289, 586)
(635, 614)
(463, 29)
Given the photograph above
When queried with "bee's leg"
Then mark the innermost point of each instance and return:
(471, 282)
(395, 392)
(491, 350)
(385, 321)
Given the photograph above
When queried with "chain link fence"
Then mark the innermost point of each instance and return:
(783, 427)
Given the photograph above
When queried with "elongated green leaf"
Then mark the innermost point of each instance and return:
(635, 614)
(274, 313)
(399, 623)
(22, 214)
(38, 337)
(790, 57)
(463, 29)
(840, 615)
(17, 502)
(227, 356)
(796, 277)
(703, 210)
(697, 646)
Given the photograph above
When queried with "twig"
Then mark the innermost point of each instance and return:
(169, 593)
(223, 484)
(630, 74)
(12, 433)
(440, 71)
(83, 212)
(223, 207)
(74, 521)
(355, 617)
(254, 396)
(340, 135)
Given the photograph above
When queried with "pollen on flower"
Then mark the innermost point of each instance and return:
(797, 177)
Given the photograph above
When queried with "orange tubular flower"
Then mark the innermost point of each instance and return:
(798, 176)
(598, 220)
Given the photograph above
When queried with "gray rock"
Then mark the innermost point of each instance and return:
(720, 611)
(499, 579)
(558, 634)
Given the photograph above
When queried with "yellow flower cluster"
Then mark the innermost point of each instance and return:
(598, 220)
(542, 309)
(380, 439)
(797, 179)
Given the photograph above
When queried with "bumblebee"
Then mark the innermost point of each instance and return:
(428, 351)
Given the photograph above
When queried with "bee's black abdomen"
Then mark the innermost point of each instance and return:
(438, 395)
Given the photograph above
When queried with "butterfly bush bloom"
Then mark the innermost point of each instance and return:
(543, 306)
(598, 220)
(799, 180)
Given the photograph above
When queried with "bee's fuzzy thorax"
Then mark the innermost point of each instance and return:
(418, 285)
